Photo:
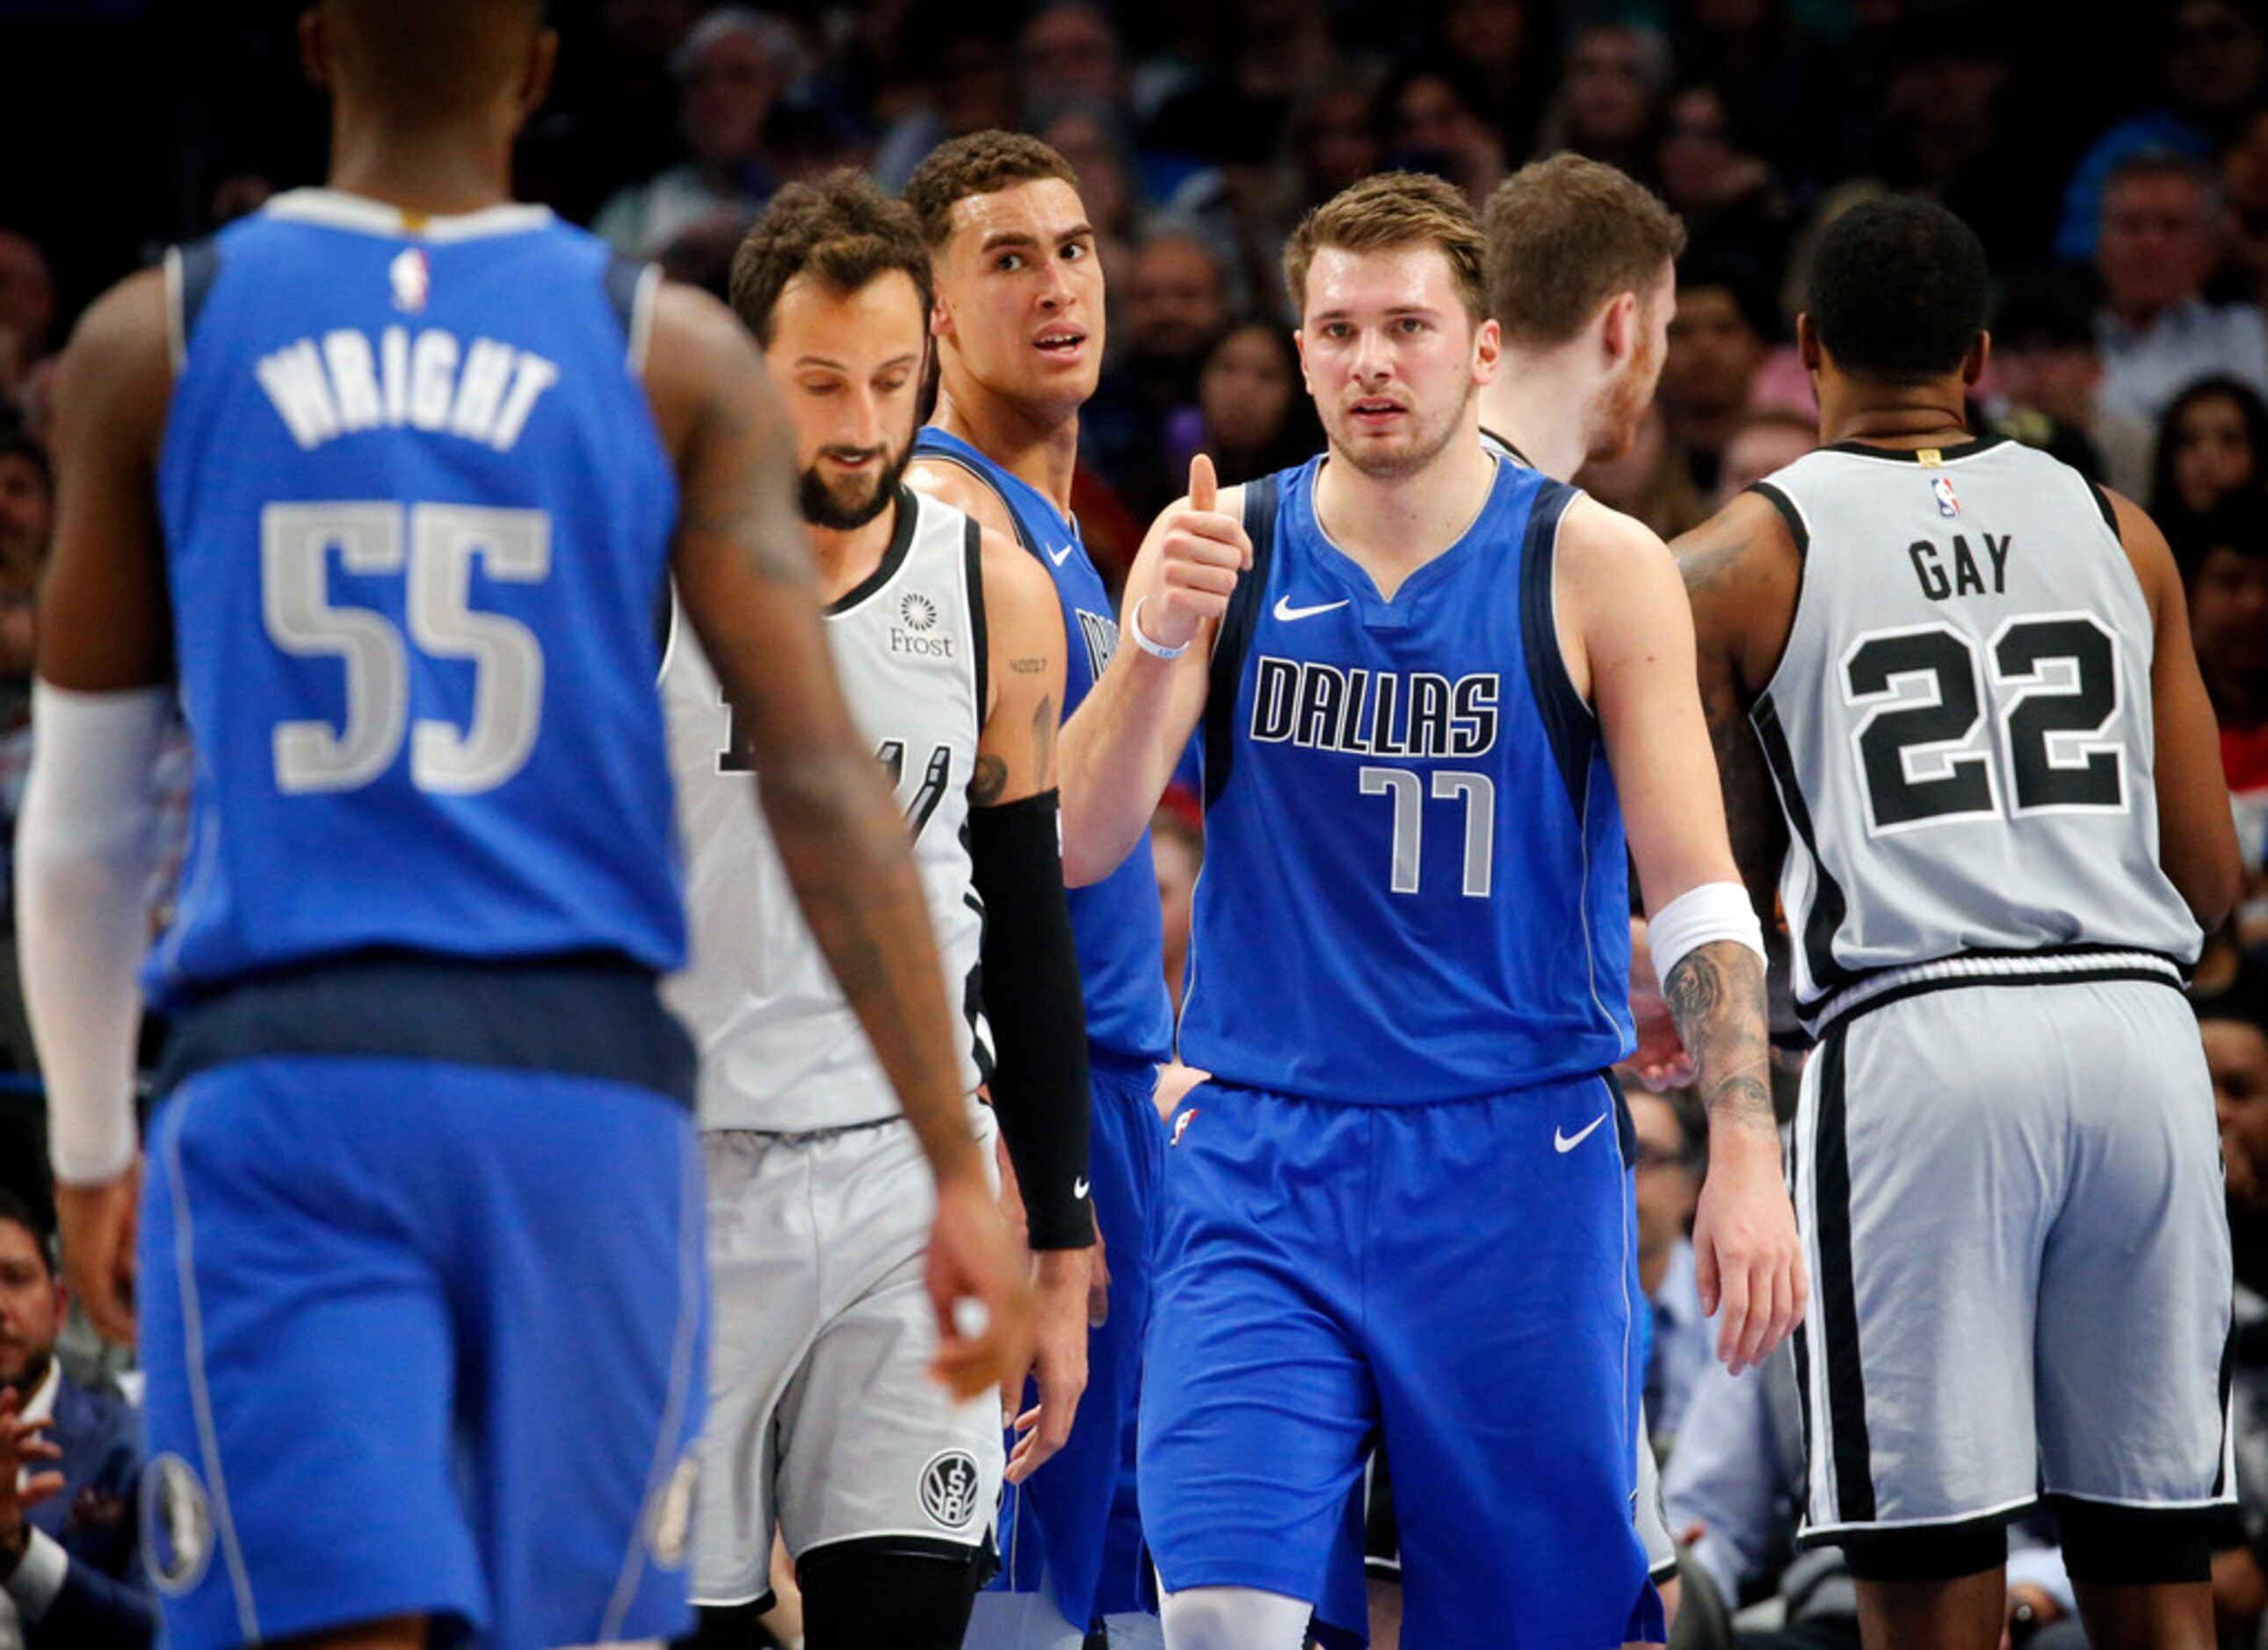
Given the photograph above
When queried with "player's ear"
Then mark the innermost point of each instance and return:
(1806, 342)
(535, 76)
(1300, 344)
(314, 49)
(1619, 327)
(1488, 351)
(1972, 363)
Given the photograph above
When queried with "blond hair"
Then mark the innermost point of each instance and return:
(1386, 211)
(1563, 236)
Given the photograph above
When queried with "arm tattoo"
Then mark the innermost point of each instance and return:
(988, 781)
(1716, 995)
(1027, 667)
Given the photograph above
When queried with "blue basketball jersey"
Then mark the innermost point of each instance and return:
(416, 517)
(1415, 886)
(1116, 922)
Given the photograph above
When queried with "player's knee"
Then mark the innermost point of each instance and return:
(856, 1597)
(1234, 1618)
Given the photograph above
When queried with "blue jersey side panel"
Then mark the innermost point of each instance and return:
(416, 517)
(1116, 922)
(1415, 886)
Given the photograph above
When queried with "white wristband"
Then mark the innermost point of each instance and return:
(1715, 911)
(1155, 650)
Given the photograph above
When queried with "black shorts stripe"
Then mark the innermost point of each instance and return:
(1849, 1456)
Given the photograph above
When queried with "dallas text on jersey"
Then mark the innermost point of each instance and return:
(1382, 713)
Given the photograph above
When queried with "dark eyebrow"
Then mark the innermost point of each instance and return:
(1000, 237)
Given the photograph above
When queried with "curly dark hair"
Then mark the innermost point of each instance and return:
(841, 229)
(978, 164)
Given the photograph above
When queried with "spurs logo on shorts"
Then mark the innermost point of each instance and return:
(177, 1530)
(950, 1488)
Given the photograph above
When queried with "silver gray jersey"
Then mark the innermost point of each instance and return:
(780, 1050)
(1960, 729)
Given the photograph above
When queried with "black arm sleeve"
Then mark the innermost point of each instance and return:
(1039, 1021)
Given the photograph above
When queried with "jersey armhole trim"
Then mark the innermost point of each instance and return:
(177, 330)
(1786, 506)
(1569, 723)
(642, 305)
(189, 273)
(1799, 530)
(1014, 520)
(1234, 640)
(2110, 511)
(980, 641)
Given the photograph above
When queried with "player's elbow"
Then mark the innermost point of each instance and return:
(2212, 886)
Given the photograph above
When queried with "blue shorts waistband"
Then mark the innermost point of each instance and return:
(1103, 1061)
(596, 1016)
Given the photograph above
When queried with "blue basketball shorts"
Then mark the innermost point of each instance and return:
(1454, 1279)
(1074, 1530)
(422, 1339)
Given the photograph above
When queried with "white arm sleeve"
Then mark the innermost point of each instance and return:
(84, 850)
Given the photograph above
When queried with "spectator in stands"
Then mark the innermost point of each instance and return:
(2244, 186)
(1767, 438)
(1250, 413)
(1736, 214)
(1069, 50)
(2210, 62)
(968, 85)
(27, 312)
(1776, 86)
(71, 1462)
(2046, 367)
(1170, 297)
(2212, 442)
(2236, 1053)
(1432, 124)
(2161, 239)
(1504, 53)
(1610, 97)
(1669, 1165)
(2226, 573)
(732, 72)
(1716, 345)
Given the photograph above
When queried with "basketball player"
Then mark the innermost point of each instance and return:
(386, 476)
(950, 648)
(1967, 673)
(1426, 676)
(1018, 323)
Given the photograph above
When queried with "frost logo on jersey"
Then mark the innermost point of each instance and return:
(1380, 713)
(911, 635)
(1181, 1126)
(950, 1488)
(413, 281)
(177, 1528)
(1100, 632)
(1948, 503)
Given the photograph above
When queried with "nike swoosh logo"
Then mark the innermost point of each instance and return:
(1287, 612)
(1567, 1142)
(1079, 1189)
(1060, 557)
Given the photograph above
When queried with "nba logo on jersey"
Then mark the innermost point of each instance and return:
(1948, 504)
(412, 277)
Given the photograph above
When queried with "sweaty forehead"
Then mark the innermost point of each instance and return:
(879, 321)
(1044, 209)
(1340, 281)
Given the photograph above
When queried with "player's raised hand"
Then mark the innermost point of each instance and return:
(973, 1263)
(1748, 1260)
(1202, 550)
(96, 1224)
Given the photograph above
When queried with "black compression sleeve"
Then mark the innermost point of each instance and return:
(1039, 1021)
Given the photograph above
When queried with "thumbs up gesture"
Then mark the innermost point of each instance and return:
(1201, 550)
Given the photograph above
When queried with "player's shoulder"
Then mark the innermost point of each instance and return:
(120, 357)
(948, 480)
(1597, 540)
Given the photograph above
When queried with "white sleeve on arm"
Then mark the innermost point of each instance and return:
(39, 1576)
(84, 848)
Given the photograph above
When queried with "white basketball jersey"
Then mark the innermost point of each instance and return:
(780, 1050)
(1960, 730)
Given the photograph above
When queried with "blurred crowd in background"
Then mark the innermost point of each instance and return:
(2113, 158)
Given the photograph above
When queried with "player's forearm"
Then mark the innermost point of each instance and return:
(1117, 756)
(844, 847)
(1716, 994)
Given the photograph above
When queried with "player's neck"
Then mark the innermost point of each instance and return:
(847, 556)
(438, 171)
(1393, 525)
(1538, 404)
(1039, 447)
(1892, 416)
